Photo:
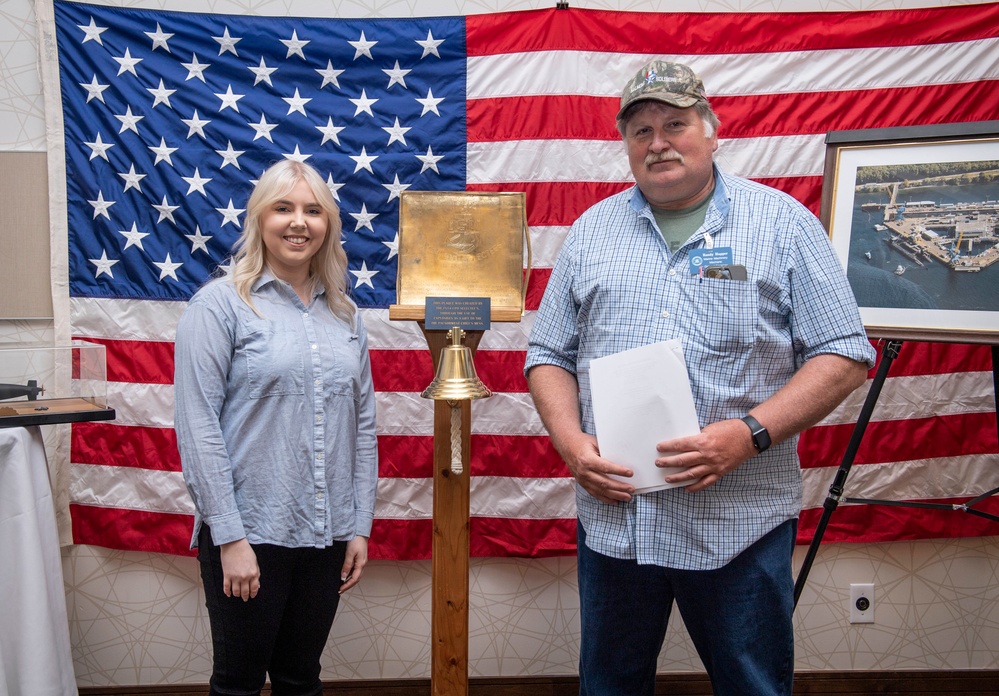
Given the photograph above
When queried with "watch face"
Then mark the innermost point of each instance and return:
(761, 438)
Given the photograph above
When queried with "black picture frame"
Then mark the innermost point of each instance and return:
(921, 269)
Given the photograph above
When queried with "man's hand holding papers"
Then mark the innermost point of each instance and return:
(642, 397)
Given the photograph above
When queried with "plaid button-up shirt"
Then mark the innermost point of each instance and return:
(615, 286)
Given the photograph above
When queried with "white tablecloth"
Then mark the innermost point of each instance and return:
(35, 655)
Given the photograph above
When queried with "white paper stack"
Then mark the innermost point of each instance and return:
(640, 398)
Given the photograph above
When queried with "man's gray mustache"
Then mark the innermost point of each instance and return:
(663, 157)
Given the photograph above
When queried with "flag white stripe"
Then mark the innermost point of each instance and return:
(490, 496)
(387, 334)
(129, 488)
(547, 160)
(133, 488)
(921, 396)
(546, 241)
(917, 479)
(566, 160)
(763, 158)
(398, 413)
(506, 413)
(125, 319)
(96, 317)
(601, 74)
(540, 498)
(139, 404)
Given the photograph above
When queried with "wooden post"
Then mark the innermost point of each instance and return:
(449, 566)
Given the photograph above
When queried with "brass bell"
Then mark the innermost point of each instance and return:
(456, 379)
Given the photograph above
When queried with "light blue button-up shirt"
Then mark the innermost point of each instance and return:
(275, 417)
(615, 286)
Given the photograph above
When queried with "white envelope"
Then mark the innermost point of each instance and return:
(640, 398)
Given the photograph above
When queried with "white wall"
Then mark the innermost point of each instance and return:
(139, 618)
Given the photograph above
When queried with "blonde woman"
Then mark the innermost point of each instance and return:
(275, 421)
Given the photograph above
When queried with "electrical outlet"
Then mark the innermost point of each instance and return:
(862, 603)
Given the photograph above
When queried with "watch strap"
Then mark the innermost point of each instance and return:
(761, 438)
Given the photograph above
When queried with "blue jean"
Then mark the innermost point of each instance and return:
(738, 618)
(283, 630)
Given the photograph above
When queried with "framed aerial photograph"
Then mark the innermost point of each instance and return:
(913, 214)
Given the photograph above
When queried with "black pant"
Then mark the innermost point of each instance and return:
(283, 630)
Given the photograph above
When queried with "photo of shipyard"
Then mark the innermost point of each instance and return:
(926, 236)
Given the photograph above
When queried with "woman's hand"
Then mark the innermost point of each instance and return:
(354, 562)
(240, 572)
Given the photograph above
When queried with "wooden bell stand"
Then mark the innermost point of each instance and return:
(450, 545)
(456, 245)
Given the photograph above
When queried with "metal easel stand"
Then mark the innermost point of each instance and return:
(889, 353)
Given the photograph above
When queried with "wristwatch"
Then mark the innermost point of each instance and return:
(761, 438)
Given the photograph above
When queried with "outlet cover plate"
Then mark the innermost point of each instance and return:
(860, 591)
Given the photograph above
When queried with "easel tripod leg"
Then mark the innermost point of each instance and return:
(888, 355)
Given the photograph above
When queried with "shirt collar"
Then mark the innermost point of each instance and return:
(719, 198)
(267, 277)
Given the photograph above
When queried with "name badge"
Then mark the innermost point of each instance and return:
(702, 258)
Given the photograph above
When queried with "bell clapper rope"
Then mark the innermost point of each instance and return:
(456, 466)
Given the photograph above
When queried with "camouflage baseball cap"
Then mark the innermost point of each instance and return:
(671, 83)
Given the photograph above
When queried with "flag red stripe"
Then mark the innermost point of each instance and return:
(408, 456)
(393, 539)
(919, 358)
(895, 441)
(532, 456)
(132, 530)
(871, 524)
(400, 540)
(140, 447)
(696, 33)
(502, 370)
(557, 202)
(412, 371)
(392, 370)
(146, 362)
(533, 538)
(404, 370)
(488, 537)
(806, 189)
(744, 116)
(536, 288)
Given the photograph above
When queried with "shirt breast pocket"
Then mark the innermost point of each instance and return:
(274, 363)
(722, 315)
(346, 349)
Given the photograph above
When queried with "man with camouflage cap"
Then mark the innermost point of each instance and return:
(745, 276)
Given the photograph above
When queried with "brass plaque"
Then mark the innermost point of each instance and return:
(461, 244)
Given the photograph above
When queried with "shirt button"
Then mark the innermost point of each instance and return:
(314, 346)
(672, 272)
(305, 314)
(318, 382)
(665, 315)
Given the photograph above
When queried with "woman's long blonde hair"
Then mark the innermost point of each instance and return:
(327, 268)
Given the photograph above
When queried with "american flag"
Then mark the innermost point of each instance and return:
(170, 116)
